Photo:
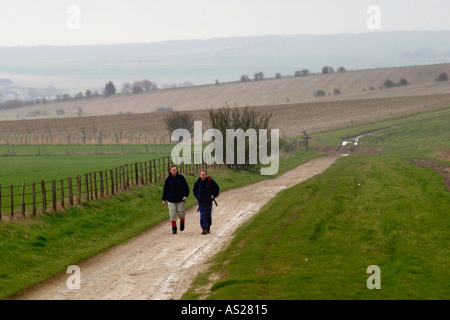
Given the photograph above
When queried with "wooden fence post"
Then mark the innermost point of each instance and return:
(78, 189)
(95, 185)
(12, 200)
(146, 172)
(102, 193)
(131, 174)
(23, 199)
(117, 181)
(62, 194)
(44, 196)
(0, 202)
(90, 184)
(136, 173)
(142, 172)
(159, 168)
(54, 195)
(128, 180)
(123, 181)
(86, 185)
(33, 187)
(154, 170)
(106, 183)
(69, 184)
(168, 164)
(112, 181)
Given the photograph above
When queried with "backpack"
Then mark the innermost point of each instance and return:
(210, 182)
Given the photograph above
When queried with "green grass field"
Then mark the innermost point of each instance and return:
(34, 249)
(33, 164)
(30, 164)
(317, 239)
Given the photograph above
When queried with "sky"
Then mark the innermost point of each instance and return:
(82, 22)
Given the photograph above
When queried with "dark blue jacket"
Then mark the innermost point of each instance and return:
(175, 188)
(204, 189)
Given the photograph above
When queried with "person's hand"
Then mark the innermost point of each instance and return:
(212, 197)
(164, 203)
(184, 199)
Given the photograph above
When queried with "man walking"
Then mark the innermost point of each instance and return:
(205, 191)
(175, 192)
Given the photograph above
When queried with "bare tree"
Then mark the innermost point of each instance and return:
(126, 87)
(176, 120)
(245, 78)
(137, 90)
(259, 76)
(139, 84)
(240, 118)
(148, 85)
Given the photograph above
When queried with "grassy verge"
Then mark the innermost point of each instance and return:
(36, 248)
(316, 240)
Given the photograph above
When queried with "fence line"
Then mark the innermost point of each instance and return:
(51, 196)
(45, 196)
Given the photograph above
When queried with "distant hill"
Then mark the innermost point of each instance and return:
(364, 84)
(79, 68)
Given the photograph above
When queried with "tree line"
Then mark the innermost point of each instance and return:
(259, 76)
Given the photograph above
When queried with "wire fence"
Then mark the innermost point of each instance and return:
(51, 196)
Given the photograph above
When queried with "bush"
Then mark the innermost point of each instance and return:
(176, 120)
(391, 84)
(336, 92)
(137, 90)
(442, 77)
(319, 93)
(240, 118)
(403, 82)
(245, 78)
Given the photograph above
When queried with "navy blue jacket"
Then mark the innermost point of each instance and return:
(204, 189)
(175, 188)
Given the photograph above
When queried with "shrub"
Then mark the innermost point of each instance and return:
(240, 118)
(245, 78)
(336, 92)
(391, 84)
(176, 120)
(442, 77)
(319, 93)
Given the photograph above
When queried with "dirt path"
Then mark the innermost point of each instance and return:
(159, 265)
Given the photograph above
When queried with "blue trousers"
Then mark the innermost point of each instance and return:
(205, 216)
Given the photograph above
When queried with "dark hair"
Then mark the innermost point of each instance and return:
(173, 166)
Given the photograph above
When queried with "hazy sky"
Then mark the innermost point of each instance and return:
(75, 22)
